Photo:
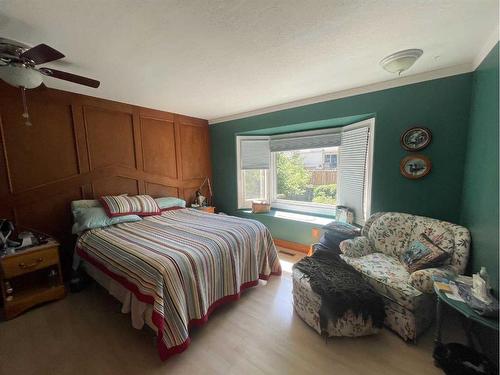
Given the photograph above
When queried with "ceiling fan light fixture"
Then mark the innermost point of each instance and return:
(19, 75)
(401, 61)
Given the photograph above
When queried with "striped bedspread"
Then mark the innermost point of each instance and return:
(185, 263)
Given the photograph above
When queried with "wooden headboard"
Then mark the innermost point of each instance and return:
(81, 147)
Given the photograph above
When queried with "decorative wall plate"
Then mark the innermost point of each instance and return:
(416, 138)
(415, 166)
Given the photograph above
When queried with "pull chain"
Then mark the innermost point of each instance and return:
(25, 115)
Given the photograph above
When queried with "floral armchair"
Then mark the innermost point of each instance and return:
(409, 301)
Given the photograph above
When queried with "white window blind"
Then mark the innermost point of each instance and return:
(254, 154)
(306, 140)
(352, 167)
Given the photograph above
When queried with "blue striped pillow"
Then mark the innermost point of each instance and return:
(142, 205)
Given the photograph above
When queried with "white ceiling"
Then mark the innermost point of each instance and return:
(214, 58)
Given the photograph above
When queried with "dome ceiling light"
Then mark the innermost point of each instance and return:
(18, 67)
(401, 61)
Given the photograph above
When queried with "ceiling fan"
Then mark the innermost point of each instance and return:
(18, 67)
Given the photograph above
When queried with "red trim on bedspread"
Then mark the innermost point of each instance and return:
(157, 318)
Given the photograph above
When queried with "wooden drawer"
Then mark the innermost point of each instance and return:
(20, 264)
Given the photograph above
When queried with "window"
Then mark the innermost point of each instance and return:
(330, 161)
(310, 171)
(253, 158)
(303, 176)
(254, 186)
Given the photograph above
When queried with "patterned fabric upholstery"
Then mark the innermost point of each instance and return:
(390, 233)
(388, 277)
(438, 233)
(408, 296)
(307, 304)
(356, 247)
(142, 205)
(410, 324)
(422, 279)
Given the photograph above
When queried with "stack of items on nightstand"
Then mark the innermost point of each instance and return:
(30, 270)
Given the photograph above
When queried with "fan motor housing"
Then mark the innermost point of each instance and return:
(10, 50)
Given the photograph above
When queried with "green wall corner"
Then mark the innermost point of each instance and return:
(480, 186)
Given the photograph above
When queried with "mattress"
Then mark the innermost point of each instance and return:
(184, 263)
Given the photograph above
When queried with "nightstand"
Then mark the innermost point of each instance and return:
(35, 277)
(208, 209)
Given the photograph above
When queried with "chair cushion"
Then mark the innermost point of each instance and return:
(389, 233)
(422, 279)
(356, 247)
(388, 277)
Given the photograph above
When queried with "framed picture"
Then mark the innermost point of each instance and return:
(416, 138)
(415, 166)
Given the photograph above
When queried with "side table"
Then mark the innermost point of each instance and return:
(472, 317)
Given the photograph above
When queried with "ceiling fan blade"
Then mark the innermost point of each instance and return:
(42, 53)
(69, 77)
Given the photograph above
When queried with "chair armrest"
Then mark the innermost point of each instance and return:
(422, 279)
(356, 247)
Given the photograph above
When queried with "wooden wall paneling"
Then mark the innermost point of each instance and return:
(159, 150)
(84, 147)
(7, 213)
(194, 145)
(110, 137)
(51, 141)
(188, 194)
(51, 216)
(138, 149)
(5, 180)
(178, 156)
(194, 156)
(36, 215)
(116, 185)
(158, 190)
(81, 141)
(111, 140)
(81, 145)
(159, 146)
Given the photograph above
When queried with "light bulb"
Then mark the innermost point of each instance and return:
(18, 75)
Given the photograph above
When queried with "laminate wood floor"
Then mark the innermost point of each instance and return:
(85, 333)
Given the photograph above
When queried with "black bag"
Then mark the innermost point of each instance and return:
(458, 359)
(335, 233)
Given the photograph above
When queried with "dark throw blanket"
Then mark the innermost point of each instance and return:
(341, 289)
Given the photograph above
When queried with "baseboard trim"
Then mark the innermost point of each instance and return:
(295, 246)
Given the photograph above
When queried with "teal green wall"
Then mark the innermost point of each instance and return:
(441, 105)
(480, 187)
(285, 229)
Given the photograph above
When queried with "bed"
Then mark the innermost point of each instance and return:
(172, 270)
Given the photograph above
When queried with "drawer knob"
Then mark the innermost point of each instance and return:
(31, 265)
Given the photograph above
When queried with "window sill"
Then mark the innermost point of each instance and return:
(294, 216)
